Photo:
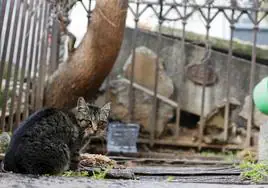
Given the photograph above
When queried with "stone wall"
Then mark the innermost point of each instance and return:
(191, 92)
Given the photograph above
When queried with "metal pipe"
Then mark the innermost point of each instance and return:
(151, 93)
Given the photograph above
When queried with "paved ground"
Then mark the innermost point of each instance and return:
(21, 181)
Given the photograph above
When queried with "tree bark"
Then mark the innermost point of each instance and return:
(92, 61)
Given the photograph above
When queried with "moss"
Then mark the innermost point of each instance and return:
(240, 48)
(226, 156)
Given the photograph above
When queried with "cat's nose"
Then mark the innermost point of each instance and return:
(94, 127)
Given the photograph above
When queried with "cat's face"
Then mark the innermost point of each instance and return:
(92, 118)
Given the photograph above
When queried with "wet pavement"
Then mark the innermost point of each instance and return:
(29, 181)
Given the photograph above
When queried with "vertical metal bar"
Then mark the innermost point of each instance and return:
(6, 37)
(252, 79)
(3, 4)
(183, 62)
(24, 60)
(202, 124)
(107, 94)
(17, 65)
(89, 12)
(54, 56)
(34, 25)
(154, 115)
(227, 87)
(159, 44)
(42, 64)
(131, 89)
(10, 63)
(36, 60)
(108, 79)
(47, 48)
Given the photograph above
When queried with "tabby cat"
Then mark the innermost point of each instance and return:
(49, 141)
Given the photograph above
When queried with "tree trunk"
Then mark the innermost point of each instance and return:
(92, 61)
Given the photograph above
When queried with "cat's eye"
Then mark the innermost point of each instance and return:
(102, 123)
(89, 123)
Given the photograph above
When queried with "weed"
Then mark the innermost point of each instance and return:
(99, 175)
(252, 170)
(73, 173)
(170, 178)
(255, 172)
(228, 156)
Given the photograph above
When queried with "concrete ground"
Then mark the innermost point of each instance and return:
(29, 181)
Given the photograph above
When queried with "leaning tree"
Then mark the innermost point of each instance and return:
(91, 62)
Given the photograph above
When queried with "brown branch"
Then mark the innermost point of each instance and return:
(94, 58)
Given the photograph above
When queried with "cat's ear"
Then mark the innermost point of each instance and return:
(106, 109)
(81, 102)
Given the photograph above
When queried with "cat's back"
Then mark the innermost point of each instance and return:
(46, 122)
(40, 118)
(45, 133)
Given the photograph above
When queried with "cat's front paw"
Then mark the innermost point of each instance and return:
(73, 166)
(74, 163)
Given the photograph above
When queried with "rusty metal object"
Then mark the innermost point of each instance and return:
(198, 75)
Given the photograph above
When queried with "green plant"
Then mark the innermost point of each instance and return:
(170, 178)
(10, 133)
(99, 174)
(252, 170)
(228, 156)
(73, 173)
(255, 172)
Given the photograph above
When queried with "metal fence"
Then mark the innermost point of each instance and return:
(208, 10)
(36, 59)
(26, 28)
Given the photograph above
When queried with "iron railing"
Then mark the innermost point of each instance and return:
(25, 41)
(208, 10)
(34, 58)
